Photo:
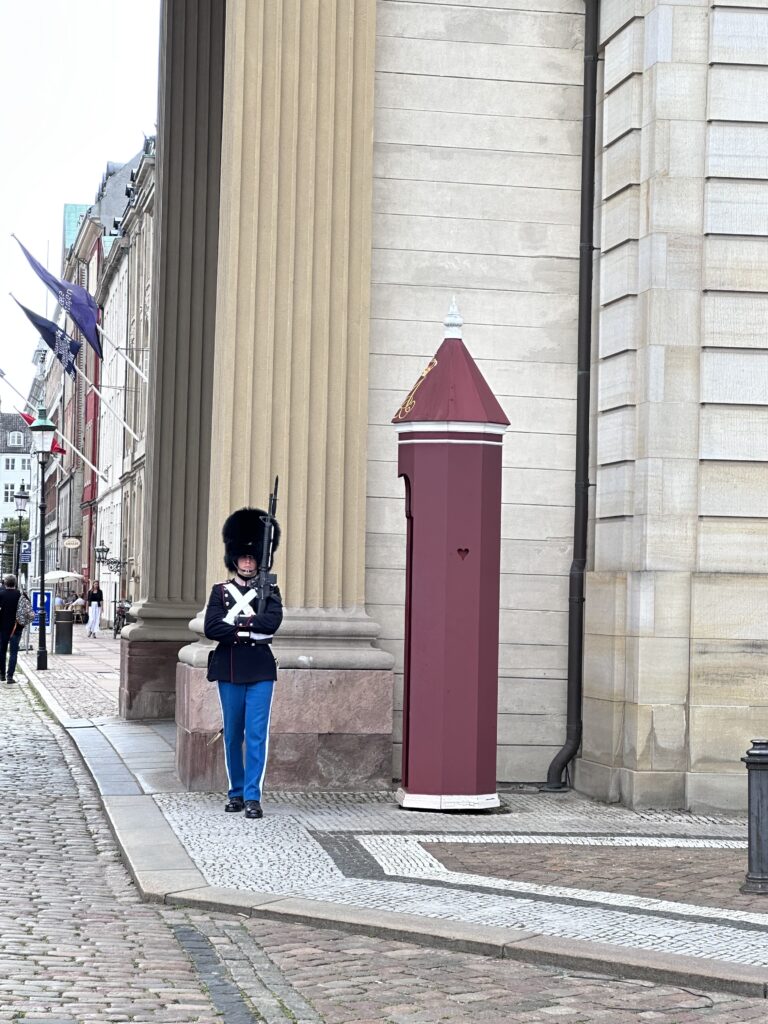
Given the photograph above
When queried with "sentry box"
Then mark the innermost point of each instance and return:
(450, 431)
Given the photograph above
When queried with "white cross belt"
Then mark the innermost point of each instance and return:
(242, 605)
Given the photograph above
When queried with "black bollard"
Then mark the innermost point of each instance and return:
(756, 761)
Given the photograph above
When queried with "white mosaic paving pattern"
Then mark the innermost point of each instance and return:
(405, 856)
(666, 842)
(527, 812)
(279, 855)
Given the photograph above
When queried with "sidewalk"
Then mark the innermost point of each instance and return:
(553, 879)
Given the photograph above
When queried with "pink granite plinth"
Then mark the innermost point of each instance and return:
(329, 730)
(148, 678)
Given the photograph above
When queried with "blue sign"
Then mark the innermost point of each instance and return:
(26, 551)
(36, 608)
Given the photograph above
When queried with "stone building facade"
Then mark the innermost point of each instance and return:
(351, 167)
(676, 605)
(137, 226)
(123, 294)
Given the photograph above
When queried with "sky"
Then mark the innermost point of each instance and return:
(78, 81)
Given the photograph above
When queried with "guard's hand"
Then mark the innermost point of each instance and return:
(274, 589)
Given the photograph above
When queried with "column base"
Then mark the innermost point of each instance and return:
(148, 678)
(335, 638)
(698, 792)
(635, 789)
(445, 802)
(330, 730)
(149, 649)
(716, 792)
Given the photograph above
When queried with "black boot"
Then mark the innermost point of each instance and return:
(236, 803)
(253, 809)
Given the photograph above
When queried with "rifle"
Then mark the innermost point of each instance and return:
(266, 579)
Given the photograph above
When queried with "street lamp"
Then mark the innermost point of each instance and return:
(42, 430)
(113, 565)
(22, 500)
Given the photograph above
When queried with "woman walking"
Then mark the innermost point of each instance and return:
(94, 600)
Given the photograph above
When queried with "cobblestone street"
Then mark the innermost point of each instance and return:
(78, 945)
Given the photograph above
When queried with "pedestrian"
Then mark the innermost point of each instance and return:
(242, 663)
(94, 599)
(10, 630)
(78, 607)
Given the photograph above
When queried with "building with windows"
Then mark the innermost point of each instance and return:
(317, 209)
(79, 404)
(96, 486)
(15, 474)
(123, 292)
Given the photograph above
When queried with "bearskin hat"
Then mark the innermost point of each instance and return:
(243, 534)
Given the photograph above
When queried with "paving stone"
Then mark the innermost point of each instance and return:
(76, 941)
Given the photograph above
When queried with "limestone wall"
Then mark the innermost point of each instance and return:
(676, 630)
(476, 192)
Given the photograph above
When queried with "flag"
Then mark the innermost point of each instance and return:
(63, 347)
(73, 299)
(56, 448)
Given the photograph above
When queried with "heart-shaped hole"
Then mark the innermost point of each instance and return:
(462, 553)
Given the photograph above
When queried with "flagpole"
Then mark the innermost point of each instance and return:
(122, 354)
(106, 404)
(65, 439)
(76, 301)
(44, 326)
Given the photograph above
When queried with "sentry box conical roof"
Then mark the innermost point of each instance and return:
(451, 388)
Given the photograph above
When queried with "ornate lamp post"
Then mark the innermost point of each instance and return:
(22, 500)
(42, 441)
(113, 565)
(101, 551)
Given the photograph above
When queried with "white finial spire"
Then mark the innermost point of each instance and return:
(453, 321)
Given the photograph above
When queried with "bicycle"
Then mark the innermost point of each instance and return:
(121, 618)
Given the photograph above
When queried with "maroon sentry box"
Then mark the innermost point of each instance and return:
(450, 431)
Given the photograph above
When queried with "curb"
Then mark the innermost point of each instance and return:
(164, 873)
(483, 940)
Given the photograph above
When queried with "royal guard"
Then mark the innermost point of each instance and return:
(243, 614)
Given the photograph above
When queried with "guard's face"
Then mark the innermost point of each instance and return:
(246, 565)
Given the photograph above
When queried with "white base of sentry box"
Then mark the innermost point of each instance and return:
(444, 802)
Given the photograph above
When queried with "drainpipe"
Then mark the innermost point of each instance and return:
(581, 511)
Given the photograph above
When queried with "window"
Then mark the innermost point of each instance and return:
(10, 463)
(7, 493)
(15, 439)
(26, 464)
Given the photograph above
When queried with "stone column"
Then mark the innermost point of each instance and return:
(637, 643)
(291, 380)
(181, 359)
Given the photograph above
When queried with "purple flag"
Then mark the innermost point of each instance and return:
(63, 347)
(73, 299)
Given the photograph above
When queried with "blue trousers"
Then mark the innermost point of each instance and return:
(245, 708)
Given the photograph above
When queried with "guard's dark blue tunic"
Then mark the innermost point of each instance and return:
(241, 656)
